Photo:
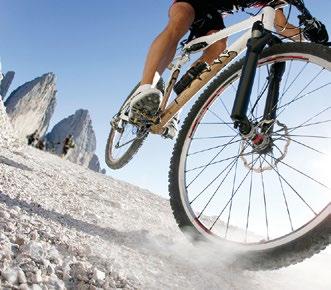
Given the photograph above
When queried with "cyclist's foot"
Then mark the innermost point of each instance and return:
(171, 130)
(146, 100)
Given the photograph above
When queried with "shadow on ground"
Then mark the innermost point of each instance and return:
(132, 239)
(15, 164)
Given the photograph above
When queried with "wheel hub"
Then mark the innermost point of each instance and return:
(262, 144)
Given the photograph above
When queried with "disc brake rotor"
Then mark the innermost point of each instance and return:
(264, 140)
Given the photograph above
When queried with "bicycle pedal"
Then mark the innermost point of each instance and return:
(140, 118)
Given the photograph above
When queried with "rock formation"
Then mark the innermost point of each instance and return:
(7, 134)
(5, 83)
(31, 106)
(80, 126)
(94, 163)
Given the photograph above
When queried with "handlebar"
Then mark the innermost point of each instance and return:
(314, 30)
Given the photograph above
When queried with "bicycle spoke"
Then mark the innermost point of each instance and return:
(226, 205)
(304, 126)
(126, 143)
(225, 107)
(302, 144)
(286, 81)
(218, 187)
(216, 123)
(206, 166)
(294, 190)
(220, 161)
(299, 171)
(233, 186)
(264, 201)
(212, 148)
(213, 137)
(249, 202)
(260, 95)
(219, 118)
(299, 97)
(230, 182)
(285, 200)
(231, 164)
(308, 120)
(308, 136)
(296, 77)
(295, 98)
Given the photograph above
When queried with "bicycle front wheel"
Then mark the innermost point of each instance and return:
(273, 204)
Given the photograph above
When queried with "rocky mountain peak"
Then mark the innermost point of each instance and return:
(31, 106)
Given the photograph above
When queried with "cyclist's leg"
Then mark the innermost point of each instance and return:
(162, 50)
(212, 52)
(212, 22)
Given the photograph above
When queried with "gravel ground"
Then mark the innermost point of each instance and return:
(66, 227)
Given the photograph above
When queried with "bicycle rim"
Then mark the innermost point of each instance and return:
(231, 193)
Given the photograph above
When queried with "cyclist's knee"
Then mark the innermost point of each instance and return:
(181, 17)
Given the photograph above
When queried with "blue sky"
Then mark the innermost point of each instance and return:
(97, 50)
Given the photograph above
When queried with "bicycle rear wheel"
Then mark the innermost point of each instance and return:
(275, 206)
(125, 139)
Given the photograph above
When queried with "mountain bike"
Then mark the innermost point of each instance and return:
(250, 167)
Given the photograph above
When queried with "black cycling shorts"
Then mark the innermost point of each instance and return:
(208, 13)
(207, 17)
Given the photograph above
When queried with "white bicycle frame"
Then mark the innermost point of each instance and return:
(267, 17)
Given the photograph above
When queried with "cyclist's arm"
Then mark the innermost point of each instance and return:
(285, 28)
(314, 30)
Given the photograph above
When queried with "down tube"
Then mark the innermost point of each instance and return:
(180, 101)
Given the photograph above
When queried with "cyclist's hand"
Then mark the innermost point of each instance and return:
(314, 30)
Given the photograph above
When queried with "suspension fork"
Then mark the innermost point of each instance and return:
(270, 110)
(255, 45)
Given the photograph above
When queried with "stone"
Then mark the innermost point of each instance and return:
(20, 240)
(4, 215)
(31, 106)
(36, 278)
(21, 277)
(34, 235)
(16, 209)
(49, 269)
(10, 275)
(36, 287)
(55, 282)
(110, 283)
(78, 271)
(26, 264)
(54, 256)
(34, 250)
(98, 275)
